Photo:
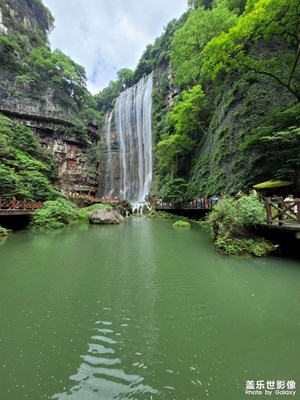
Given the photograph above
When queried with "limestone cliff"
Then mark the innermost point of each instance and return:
(17, 16)
(233, 154)
(31, 98)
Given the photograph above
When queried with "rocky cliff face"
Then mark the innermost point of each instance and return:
(76, 160)
(242, 108)
(24, 97)
(15, 16)
(227, 160)
(25, 18)
(38, 106)
(77, 168)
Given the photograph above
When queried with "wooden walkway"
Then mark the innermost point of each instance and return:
(103, 200)
(192, 210)
(39, 117)
(185, 205)
(282, 214)
(18, 207)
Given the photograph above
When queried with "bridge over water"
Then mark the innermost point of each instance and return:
(192, 210)
(18, 207)
(283, 215)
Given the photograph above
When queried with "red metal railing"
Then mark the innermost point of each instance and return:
(14, 204)
(102, 199)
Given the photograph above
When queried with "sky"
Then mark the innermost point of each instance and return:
(106, 35)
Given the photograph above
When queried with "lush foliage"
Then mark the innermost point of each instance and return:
(3, 231)
(182, 224)
(231, 223)
(263, 21)
(184, 129)
(26, 54)
(173, 190)
(26, 170)
(280, 131)
(55, 214)
(164, 215)
(58, 70)
(217, 124)
(244, 56)
(189, 41)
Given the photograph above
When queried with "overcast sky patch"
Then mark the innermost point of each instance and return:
(106, 35)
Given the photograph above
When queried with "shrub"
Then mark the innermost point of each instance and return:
(55, 214)
(181, 224)
(161, 214)
(232, 221)
(244, 246)
(234, 217)
(3, 231)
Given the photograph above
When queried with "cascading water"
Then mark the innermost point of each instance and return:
(133, 113)
(109, 163)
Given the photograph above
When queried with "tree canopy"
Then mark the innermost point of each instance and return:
(265, 21)
(184, 129)
(189, 41)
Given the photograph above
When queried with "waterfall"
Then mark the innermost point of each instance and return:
(109, 163)
(133, 114)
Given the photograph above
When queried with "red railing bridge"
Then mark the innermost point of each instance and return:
(13, 206)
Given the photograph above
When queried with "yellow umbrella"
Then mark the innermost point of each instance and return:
(272, 184)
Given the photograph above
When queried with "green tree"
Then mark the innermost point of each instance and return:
(200, 3)
(22, 138)
(69, 75)
(173, 152)
(202, 25)
(125, 77)
(60, 71)
(144, 66)
(191, 113)
(208, 4)
(106, 97)
(11, 52)
(185, 126)
(265, 21)
(173, 190)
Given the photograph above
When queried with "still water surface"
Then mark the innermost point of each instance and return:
(142, 311)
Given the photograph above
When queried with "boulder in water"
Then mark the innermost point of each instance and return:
(106, 216)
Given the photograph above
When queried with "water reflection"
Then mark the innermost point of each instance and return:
(116, 363)
(101, 375)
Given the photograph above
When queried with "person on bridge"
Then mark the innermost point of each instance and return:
(214, 200)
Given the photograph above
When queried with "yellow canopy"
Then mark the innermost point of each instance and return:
(272, 184)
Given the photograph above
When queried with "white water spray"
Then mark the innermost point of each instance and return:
(109, 176)
(133, 114)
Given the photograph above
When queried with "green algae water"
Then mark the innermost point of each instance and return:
(144, 311)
